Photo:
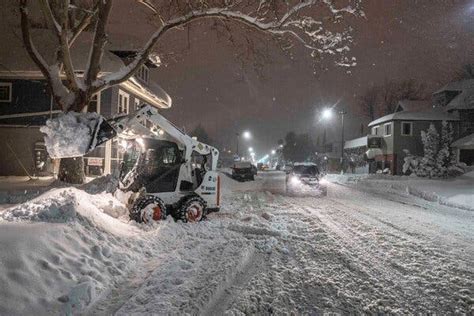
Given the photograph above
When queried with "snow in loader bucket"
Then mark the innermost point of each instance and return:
(75, 134)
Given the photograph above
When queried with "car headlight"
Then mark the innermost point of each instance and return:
(323, 181)
(295, 180)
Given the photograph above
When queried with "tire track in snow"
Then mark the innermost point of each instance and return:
(407, 263)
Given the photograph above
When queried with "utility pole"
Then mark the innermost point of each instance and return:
(237, 144)
(342, 113)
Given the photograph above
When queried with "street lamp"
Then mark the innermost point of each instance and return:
(327, 114)
(245, 135)
(251, 149)
(273, 151)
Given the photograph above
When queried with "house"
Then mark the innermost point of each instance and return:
(25, 103)
(401, 131)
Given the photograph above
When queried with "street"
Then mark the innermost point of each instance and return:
(350, 252)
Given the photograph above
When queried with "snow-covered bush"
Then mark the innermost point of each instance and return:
(427, 166)
(439, 160)
(411, 162)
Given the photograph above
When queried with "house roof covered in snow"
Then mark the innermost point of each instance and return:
(463, 101)
(457, 86)
(16, 63)
(465, 142)
(434, 114)
(412, 105)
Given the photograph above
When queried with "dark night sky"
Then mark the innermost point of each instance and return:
(425, 40)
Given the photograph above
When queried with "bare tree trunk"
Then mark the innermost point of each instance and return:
(71, 170)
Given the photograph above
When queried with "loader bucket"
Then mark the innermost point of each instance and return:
(75, 134)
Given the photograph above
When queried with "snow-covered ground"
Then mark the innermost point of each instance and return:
(358, 250)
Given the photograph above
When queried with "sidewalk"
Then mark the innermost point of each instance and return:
(457, 192)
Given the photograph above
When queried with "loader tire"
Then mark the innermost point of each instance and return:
(148, 209)
(192, 210)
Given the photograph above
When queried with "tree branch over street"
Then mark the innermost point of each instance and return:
(317, 25)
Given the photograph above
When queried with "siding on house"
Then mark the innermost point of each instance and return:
(27, 96)
(18, 150)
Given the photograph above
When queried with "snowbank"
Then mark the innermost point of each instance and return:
(70, 134)
(58, 251)
(457, 192)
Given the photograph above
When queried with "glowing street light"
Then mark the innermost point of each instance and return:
(273, 151)
(246, 135)
(251, 149)
(327, 113)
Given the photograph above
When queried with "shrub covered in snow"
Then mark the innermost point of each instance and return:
(439, 160)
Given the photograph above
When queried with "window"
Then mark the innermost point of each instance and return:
(143, 73)
(123, 103)
(94, 104)
(5, 92)
(375, 130)
(387, 129)
(407, 128)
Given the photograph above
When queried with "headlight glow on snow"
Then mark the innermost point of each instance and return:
(295, 180)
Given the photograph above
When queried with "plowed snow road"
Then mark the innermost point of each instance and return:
(265, 253)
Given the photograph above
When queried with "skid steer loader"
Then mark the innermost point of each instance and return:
(165, 171)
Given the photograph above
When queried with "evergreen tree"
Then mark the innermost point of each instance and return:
(428, 164)
(444, 158)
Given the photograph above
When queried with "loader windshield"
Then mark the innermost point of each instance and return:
(154, 166)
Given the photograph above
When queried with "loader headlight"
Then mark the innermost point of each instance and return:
(140, 141)
(295, 180)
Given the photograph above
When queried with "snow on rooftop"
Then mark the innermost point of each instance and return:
(464, 100)
(465, 142)
(435, 114)
(457, 86)
(412, 105)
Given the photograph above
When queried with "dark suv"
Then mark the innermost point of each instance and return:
(243, 171)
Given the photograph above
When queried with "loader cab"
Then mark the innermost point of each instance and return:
(151, 163)
(155, 165)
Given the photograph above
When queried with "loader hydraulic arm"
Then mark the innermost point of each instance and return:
(134, 126)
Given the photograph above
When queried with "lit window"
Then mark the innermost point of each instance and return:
(5, 92)
(388, 129)
(407, 128)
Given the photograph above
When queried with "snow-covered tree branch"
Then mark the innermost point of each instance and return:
(318, 25)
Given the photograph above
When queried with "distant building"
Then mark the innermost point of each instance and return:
(26, 104)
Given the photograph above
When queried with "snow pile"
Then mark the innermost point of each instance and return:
(70, 134)
(60, 251)
(456, 192)
(58, 210)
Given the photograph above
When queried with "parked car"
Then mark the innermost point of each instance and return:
(305, 178)
(243, 171)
